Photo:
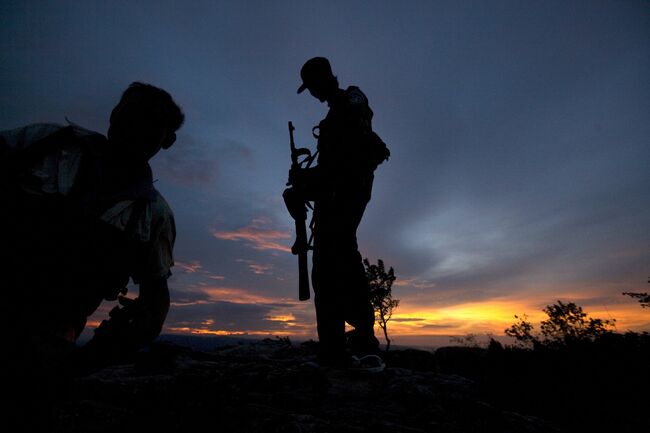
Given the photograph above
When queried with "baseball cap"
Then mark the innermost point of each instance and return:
(314, 69)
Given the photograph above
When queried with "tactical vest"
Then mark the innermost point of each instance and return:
(349, 150)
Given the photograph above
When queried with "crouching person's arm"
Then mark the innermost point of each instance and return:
(131, 326)
(154, 301)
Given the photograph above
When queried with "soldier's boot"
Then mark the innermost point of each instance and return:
(362, 343)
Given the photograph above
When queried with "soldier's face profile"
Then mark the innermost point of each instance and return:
(317, 93)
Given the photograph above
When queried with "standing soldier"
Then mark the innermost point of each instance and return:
(340, 186)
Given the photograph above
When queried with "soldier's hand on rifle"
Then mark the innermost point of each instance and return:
(296, 176)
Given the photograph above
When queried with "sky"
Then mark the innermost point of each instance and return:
(519, 138)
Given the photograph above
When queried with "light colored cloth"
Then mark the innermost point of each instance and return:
(156, 226)
(56, 172)
(159, 256)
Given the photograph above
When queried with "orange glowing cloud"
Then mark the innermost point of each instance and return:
(190, 268)
(201, 331)
(277, 316)
(290, 327)
(287, 319)
(256, 236)
(236, 295)
(414, 283)
(257, 268)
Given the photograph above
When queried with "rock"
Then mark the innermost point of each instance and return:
(269, 386)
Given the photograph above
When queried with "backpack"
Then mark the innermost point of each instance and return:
(55, 253)
(376, 149)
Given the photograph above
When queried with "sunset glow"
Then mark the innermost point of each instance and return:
(258, 237)
(518, 135)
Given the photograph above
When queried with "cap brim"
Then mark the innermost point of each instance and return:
(302, 88)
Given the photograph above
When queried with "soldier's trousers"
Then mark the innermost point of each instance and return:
(341, 289)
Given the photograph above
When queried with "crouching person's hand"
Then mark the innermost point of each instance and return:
(132, 325)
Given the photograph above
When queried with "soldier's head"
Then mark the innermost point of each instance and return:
(144, 121)
(317, 77)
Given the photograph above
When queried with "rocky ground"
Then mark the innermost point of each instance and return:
(270, 386)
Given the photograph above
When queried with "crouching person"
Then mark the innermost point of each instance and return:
(80, 218)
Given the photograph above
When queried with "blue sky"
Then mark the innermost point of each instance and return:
(518, 132)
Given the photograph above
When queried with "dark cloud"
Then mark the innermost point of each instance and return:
(407, 319)
(443, 326)
(188, 163)
(518, 131)
(185, 296)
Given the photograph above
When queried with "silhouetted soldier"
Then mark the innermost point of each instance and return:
(83, 218)
(340, 185)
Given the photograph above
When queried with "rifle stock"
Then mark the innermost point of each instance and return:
(303, 271)
(296, 206)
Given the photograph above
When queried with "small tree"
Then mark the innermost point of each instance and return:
(566, 323)
(522, 331)
(643, 298)
(381, 296)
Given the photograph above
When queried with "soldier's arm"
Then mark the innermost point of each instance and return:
(307, 182)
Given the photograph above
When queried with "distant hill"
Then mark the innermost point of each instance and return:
(205, 342)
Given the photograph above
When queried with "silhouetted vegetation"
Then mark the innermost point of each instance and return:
(472, 340)
(567, 323)
(467, 340)
(522, 332)
(643, 298)
(576, 371)
(381, 295)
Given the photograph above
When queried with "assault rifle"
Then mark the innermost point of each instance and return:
(297, 206)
